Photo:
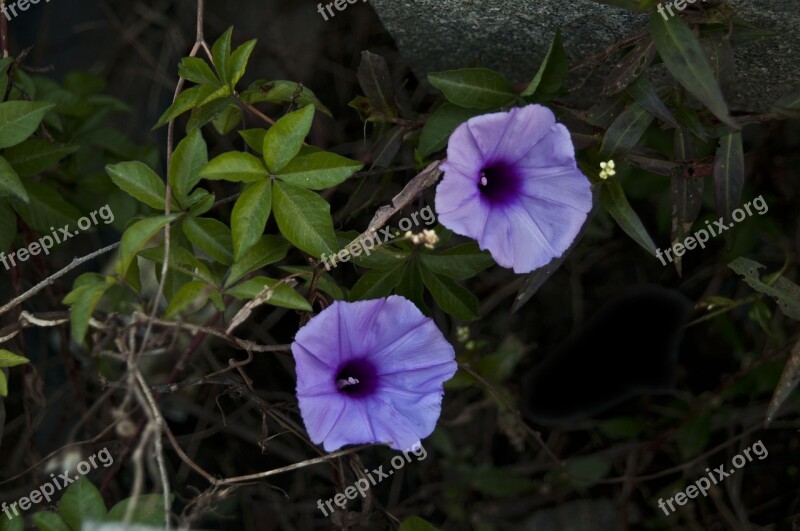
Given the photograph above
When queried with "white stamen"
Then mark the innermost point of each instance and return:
(344, 383)
(484, 180)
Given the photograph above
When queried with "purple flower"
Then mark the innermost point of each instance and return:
(371, 372)
(511, 183)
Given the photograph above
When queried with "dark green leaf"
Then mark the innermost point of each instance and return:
(415, 523)
(784, 291)
(186, 100)
(319, 170)
(221, 52)
(19, 119)
(229, 119)
(474, 88)
(281, 91)
(211, 236)
(149, 510)
(552, 72)
(645, 95)
(376, 82)
(36, 155)
(238, 62)
(83, 301)
(249, 216)
(461, 262)
(47, 521)
(626, 130)
(616, 204)
(254, 138)
(197, 71)
(285, 138)
(282, 295)
(235, 167)
(81, 502)
(184, 169)
(267, 250)
(9, 359)
(440, 126)
(190, 298)
(8, 226)
(136, 237)
(684, 58)
(304, 218)
(693, 435)
(46, 208)
(140, 182)
(10, 183)
(585, 471)
(728, 173)
(452, 298)
(376, 283)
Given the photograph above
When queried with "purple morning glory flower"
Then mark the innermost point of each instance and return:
(511, 183)
(371, 372)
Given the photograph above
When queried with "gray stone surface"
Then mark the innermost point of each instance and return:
(512, 37)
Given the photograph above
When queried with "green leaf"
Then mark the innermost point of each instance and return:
(728, 173)
(440, 126)
(83, 302)
(461, 262)
(411, 286)
(211, 236)
(238, 62)
(181, 260)
(189, 158)
(81, 502)
(227, 120)
(3, 385)
(585, 471)
(139, 181)
(283, 295)
(630, 67)
(249, 216)
(500, 483)
(192, 296)
(474, 88)
(645, 95)
(8, 226)
(552, 73)
(19, 120)
(10, 183)
(45, 208)
(197, 71)
(626, 130)
(377, 283)
(221, 52)
(614, 201)
(36, 155)
(284, 139)
(450, 297)
(281, 91)
(235, 167)
(784, 291)
(47, 521)
(415, 523)
(9, 359)
(254, 138)
(267, 250)
(693, 436)
(319, 170)
(376, 82)
(136, 237)
(304, 218)
(683, 56)
(149, 510)
(186, 100)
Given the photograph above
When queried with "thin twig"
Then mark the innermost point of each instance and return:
(55, 276)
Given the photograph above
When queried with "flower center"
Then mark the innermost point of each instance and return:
(357, 378)
(498, 183)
